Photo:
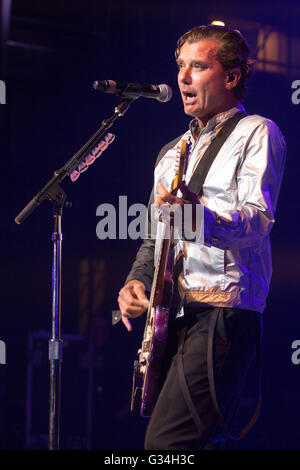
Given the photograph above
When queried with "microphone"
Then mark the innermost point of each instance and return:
(162, 93)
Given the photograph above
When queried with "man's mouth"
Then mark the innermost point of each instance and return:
(188, 97)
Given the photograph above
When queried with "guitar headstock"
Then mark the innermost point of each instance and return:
(181, 164)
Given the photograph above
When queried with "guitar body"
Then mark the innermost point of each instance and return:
(148, 367)
(147, 371)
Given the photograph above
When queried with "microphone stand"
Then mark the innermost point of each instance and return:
(57, 196)
(55, 343)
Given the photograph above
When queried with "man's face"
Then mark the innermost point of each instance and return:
(202, 80)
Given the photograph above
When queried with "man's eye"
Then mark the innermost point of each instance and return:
(199, 66)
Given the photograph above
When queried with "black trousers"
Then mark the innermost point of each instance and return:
(237, 336)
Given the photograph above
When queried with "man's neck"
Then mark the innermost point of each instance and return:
(202, 121)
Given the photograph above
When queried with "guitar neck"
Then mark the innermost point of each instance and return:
(162, 273)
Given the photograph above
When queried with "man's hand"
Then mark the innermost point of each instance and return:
(132, 301)
(189, 197)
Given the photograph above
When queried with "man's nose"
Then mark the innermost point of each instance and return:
(184, 75)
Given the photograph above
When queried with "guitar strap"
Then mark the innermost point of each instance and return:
(196, 185)
(197, 180)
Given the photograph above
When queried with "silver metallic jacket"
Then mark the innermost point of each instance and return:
(230, 263)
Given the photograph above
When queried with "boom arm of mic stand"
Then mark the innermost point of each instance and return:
(73, 163)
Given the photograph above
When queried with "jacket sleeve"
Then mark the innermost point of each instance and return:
(143, 266)
(259, 179)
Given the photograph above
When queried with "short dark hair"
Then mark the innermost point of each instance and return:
(233, 51)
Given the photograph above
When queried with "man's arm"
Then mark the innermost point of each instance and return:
(132, 297)
(258, 183)
(143, 266)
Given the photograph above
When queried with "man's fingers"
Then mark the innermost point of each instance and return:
(132, 301)
(126, 323)
(124, 318)
(135, 295)
(140, 292)
(130, 296)
(130, 310)
(162, 191)
(164, 195)
(159, 201)
(165, 198)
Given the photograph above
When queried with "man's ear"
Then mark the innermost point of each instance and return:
(233, 77)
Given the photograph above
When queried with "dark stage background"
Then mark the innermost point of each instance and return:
(52, 51)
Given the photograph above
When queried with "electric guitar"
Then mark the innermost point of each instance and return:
(148, 366)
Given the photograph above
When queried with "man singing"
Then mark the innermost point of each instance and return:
(226, 269)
